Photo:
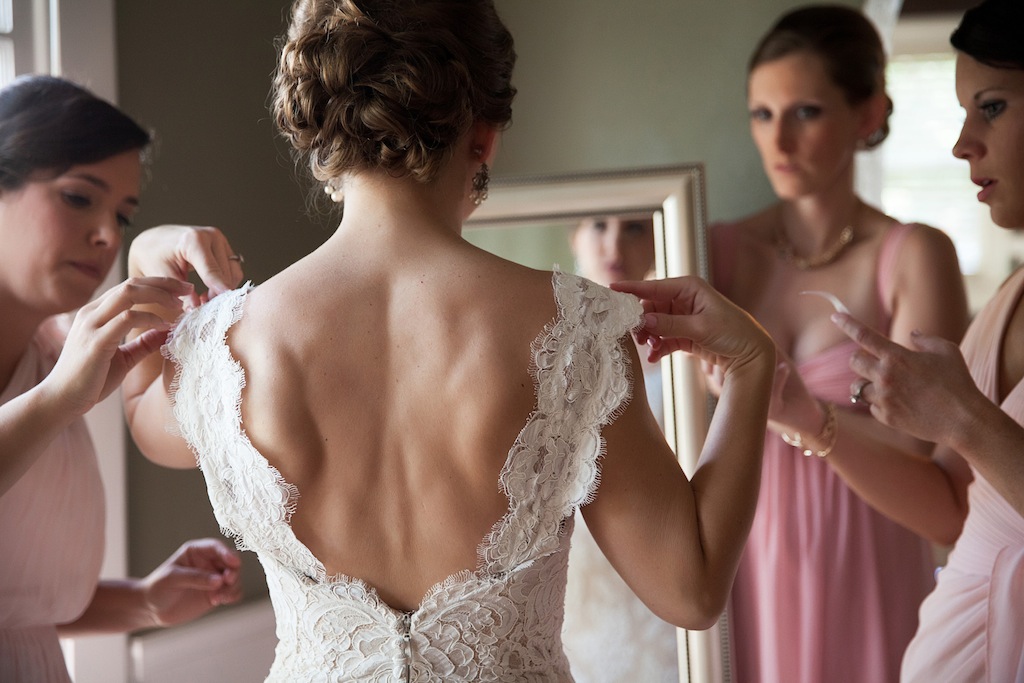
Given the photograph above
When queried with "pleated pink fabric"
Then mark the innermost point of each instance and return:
(972, 625)
(828, 589)
(51, 540)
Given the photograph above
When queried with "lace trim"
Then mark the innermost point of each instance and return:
(552, 468)
(583, 381)
(200, 336)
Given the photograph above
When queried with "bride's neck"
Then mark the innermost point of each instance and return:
(379, 208)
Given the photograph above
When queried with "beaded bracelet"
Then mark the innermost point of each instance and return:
(829, 434)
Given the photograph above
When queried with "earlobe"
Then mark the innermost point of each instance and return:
(484, 144)
(876, 111)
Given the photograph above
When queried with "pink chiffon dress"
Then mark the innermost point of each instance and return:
(828, 589)
(51, 539)
(972, 625)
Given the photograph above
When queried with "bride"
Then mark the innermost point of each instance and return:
(402, 425)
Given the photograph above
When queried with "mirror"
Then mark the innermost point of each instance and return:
(531, 220)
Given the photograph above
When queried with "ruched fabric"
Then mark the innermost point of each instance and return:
(828, 589)
(51, 538)
(972, 625)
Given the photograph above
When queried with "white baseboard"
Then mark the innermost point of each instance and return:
(235, 645)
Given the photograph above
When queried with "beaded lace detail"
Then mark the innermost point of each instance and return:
(499, 622)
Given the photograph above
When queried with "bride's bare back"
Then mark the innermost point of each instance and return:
(390, 396)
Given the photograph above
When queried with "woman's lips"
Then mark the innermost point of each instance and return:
(987, 185)
(92, 270)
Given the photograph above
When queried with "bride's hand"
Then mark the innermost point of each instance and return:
(687, 314)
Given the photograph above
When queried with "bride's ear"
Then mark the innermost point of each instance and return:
(483, 143)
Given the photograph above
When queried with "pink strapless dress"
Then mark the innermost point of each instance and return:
(828, 589)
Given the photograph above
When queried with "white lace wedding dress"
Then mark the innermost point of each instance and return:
(499, 622)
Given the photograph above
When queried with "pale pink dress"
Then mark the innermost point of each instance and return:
(51, 540)
(972, 625)
(828, 589)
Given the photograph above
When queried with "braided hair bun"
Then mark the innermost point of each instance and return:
(390, 85)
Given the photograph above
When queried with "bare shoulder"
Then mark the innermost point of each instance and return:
(277, 319)
(926, 237)
(927, 250)
(739, 250)
(927, 289)
(757, 227)
(518, 287)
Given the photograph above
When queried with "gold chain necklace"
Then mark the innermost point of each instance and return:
(786, 251)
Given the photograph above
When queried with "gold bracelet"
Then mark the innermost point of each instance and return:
(829, 434)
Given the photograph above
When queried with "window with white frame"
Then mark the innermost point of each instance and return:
(6, 42)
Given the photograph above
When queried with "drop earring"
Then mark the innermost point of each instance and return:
(334, 190)
(480, 182)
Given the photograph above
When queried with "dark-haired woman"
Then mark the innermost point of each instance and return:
(70, 168)
(829, 587)
(972, 625)
(402, 425)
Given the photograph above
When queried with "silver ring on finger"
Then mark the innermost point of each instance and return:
(237, 257)
(857, 395)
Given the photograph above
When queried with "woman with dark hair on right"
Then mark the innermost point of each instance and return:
(402, 425)
(830, 582)
(972, 625)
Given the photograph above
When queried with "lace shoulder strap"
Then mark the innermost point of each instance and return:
(249, 497)
(583, 381)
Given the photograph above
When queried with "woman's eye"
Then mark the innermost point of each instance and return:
(600, 226)
(635, 227)
(992, 109)
(760, 114)
(76, 200)
(808, 113)
(124, 221)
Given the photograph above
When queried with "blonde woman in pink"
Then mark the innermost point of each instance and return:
(838, 559)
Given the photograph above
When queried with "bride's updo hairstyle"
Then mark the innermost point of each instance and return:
(390, 85)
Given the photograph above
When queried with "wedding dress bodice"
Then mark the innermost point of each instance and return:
(499, 622)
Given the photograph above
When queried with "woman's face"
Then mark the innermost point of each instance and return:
(61, 234)
(992, 139)
(803, 127)
(611, 248)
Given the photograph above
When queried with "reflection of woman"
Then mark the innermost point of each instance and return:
(972, 625)
(69, 185)
(610, 635)
(611, 248)
(828, 589)
(360, 416)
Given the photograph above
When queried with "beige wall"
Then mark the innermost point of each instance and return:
(603, 84)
